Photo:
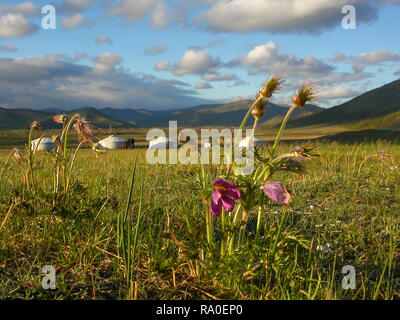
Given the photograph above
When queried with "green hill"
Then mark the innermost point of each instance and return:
(230, 114)
(14, 119)
(377, 108)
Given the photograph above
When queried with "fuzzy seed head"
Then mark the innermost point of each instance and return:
(259, 109)
(18, 155)
(271, 86)
(84, 129)
(305, 94)
(35, 126)
(60, 118)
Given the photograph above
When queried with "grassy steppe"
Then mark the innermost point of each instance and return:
(345, 211)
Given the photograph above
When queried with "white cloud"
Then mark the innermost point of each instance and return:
(218, 77)
(14, 25)
(79, 56)
(51, 81)
(103, 39)
(134, 9)
(160, 17)
(75, 21)
(282, 16)
(155, 50)
(203, 85)
(195, 62)
(163, 65)
(74, 6)
(342, 77)
(26, 9)
(106, 62)
(336, 92)
(159, 13)
(8, 47)
(361, 61)
(265, 58)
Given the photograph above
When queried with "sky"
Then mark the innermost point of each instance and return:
(163, 54)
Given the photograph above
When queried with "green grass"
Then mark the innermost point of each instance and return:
(344, 200)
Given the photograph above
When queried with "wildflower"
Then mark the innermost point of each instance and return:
(266, 92)
(277, 192)
(84, 129)
(60, 118)
(18, 156)
(224, 195)
(259, 108)
(271, 86)
(35, 126)
(380, 155)
(297, 152)
(305, 94)
(383, 155)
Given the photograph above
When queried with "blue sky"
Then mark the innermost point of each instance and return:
(161, 54)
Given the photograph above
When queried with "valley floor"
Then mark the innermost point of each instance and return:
(345, 211)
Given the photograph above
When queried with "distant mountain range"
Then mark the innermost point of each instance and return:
(376, 109)
(14, 119)
(230, 114)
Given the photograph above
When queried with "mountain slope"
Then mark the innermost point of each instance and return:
(374, 104)
(230, 114)
(13, 119)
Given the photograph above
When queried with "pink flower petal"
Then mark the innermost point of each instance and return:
(277, 192)
(216, 196)
(216, 208)
(233, 193)
(228, 204)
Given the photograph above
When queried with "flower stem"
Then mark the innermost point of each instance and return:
(283, 125)
(258, 224)
(223, 232)
(278, 233)
(208, 222)
(232, 236)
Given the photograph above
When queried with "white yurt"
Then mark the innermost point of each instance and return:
(163, 143)
(113, 142)
(258, 143)
(45, 144)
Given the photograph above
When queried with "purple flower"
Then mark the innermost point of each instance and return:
(224, 195)
(277, 192)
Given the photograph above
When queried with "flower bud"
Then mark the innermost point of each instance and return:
(305, 94)
(35, 126)
(60, 118)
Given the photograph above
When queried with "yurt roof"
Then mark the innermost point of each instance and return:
(113, 138)
(44, 140)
